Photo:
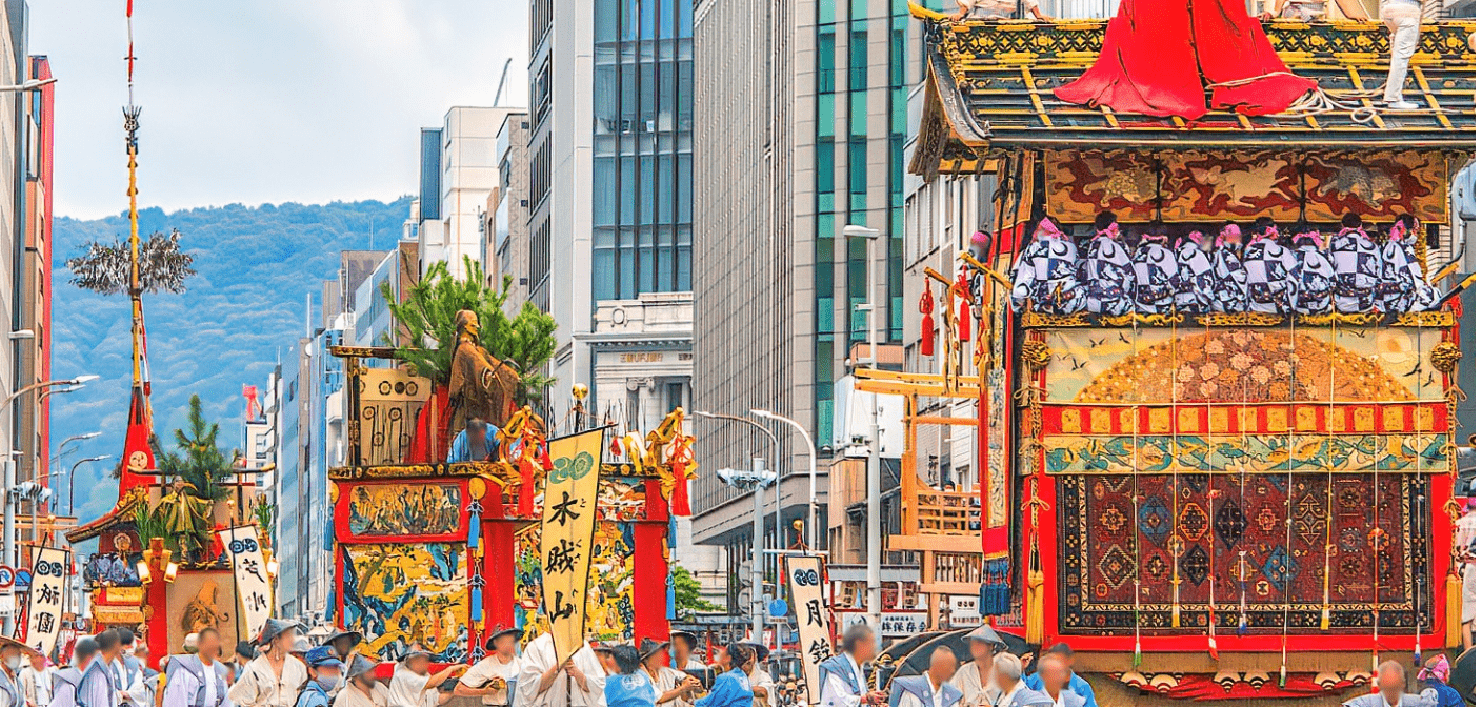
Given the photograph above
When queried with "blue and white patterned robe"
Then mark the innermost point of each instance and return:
(1403, 287)
(1268, 266)
(1155, 269)
(1107, 272)
(1314, 276)
(1194, 282)
(1230, 291)
(1360, 269)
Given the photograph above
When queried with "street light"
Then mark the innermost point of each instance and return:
(873, 462)
(61, 455)
(810, 444)
(72, 481)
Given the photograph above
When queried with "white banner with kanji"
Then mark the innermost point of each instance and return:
(44, 609)
(253, 585)
(806, 574)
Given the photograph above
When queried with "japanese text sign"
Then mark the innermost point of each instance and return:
(253, 585)
(570, 496)
(806, 575)
(44, 609)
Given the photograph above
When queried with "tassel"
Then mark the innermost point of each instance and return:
(474, 526)
(1035, 608)
(526, 491)
(1452, 609)
(964, 330)
(929, 327)
(679, 503)
(476, 585)
(1214, 618)
(1174, 619)
(671, 614)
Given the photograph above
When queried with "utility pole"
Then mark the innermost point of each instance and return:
(756, 573)
(873, 460)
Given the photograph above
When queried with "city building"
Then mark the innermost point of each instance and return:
(373, 323)
(506, 217)
(610, 201)
(458, 171)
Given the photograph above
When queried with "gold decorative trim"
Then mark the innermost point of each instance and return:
(1438, 318)
(496, 470)
(1036, 320)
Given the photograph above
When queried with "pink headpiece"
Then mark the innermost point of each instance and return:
(1229, 231)
(1346, 231)
(1314, 236)
(1048, 229)
(1112, 231)
(1439, 670)
(979, 238)
(1397, 232)
(1272, 232)
(1195, 236)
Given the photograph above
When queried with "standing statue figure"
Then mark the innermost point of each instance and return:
(482, 387)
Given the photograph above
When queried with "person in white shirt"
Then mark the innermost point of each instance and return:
(345, 644)
(759, 679)
(674, 688)
(931, 689)
(274, 678)
(363, 688)
(1391, 691)
(37, 680)
(683, 645)
(1402, 17)
(413, 685)
(13, 656)
(197, 679)
(997, 9)
(975, 680)
(493, 678)
(842, 681)
(1012, 692)
(545, 682)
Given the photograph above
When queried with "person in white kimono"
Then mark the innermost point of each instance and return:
(85, 683)
(345, 644)
(1107, 270)
(1312, 275)
(1230, 290)
(274, 677)
(545, 682)
(128, 689)
(1155, 268)
(197, 679)
(414, 685)
(493, 679)
(1404, 288)
(37, 680)
(13, 656)
(1008, 674)
(932, 688)
(1194, 279)
(842, 680)
(1391, 692)
(673, 687)
(975, 680)
(1359, 265)
(1268, 267)
(363, 689)
(1046, 273)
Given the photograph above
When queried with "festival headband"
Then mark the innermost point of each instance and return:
(1397, 232)
(1194, 236)
(1352, 229)
(1271, 232)
(1230, 229)
(1439, 670)
(1112, 231)
(1048, 229)
(979, 238)
(1314, 236)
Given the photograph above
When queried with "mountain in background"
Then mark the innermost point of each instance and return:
(256, 268)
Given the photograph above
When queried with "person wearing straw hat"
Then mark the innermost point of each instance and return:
(759, 679)
(363, 688)
(493, 678)
(13, 655)
(976, 680)
(274, 678)
(324, 672)
(413, 685)
(673, 686)
(197, 679)
(345, 644)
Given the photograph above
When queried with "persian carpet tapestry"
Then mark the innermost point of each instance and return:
(1368, 534)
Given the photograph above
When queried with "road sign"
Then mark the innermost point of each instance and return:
(7, 577)
(23, 579)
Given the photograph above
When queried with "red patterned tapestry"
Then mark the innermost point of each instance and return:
(1110, 545)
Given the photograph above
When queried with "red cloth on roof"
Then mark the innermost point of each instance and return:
(1159, 55)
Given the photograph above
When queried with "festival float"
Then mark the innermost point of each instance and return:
(443, 555)
(1208, 500)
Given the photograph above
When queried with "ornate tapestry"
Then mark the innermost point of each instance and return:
(404, 594)
(1195, 186)
(1160, 454)
(389, 401)
(610, 608)
(379, 510)
(1122, 534)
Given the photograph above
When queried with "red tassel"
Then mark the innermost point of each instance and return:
(963, 309)
(679, 503)
(929, 327)
(526, 492)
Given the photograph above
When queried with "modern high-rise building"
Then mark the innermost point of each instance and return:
(506, 218)
(610, 200)
(458, 170)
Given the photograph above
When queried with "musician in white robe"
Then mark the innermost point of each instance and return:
(1107, 270)
(1404, 288)
(1155, 269)
(544, 682)
(1313, 275)
(1359, 265)
(1268, 266)
(1194, 280)
(1230, 291)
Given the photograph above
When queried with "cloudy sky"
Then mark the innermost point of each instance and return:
(266, 100)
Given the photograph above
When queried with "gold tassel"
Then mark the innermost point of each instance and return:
(1453, 591)
(1035, 607)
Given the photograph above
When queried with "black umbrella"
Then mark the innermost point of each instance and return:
(1462, 673)
(915, 660)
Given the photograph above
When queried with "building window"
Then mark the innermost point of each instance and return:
(676, 395)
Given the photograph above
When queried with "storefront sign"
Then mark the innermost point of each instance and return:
(893, 623)
(253, 586)
(570, 495)
(44, 607)
(963, 611)
(806, 586)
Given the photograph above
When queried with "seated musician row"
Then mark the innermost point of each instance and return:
(1265, 272)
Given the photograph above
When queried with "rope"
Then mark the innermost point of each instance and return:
(1286, 578)
(1137, 518)
(1176, 547)
(1327, 545)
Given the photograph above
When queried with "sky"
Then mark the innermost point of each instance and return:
(266, 101)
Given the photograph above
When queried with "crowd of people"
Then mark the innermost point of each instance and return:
(1256, 270)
